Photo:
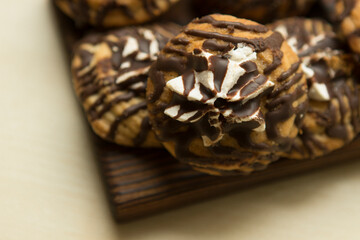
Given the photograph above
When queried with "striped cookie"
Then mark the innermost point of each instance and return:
(110, 73)
(332, 119)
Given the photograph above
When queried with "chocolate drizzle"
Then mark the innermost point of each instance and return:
(126, 113)
(281, 109)
(180, 41)
(159, 84)
(251, 73)
(257, 28)
(274, 43)
(213, 45)
(285, 75)
(258, 44)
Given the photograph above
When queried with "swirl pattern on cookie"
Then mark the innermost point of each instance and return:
(110, 74)
(113, 13)
(226, 95)
(333, 117)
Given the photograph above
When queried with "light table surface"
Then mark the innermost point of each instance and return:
(49, 182)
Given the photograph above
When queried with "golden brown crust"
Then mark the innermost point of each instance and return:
(113, 13)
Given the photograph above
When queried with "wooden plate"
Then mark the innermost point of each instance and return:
(141, 182)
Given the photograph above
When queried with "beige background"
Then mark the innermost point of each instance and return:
(50, 187)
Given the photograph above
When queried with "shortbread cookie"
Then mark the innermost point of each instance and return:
(258, 10)
(113, 13)
(110, 73)
(346, 14)
(226, 95)
(333, 116)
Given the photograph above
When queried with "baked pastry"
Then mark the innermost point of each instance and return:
(110, 73)
(346, 14)
(226, 95)
(263, 11)
(333, 116)
(113, 13)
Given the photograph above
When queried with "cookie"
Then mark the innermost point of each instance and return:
(263, 11)
(110, 74)
(113, 13)
(346, 15)
(332, 119)
(226, 95)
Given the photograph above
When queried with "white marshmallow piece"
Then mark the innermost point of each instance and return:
(319, 92)
(172, 111)
(130, 47)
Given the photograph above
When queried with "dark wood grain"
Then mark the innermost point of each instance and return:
(141, 182)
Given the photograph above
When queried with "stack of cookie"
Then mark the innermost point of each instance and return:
(223, 94)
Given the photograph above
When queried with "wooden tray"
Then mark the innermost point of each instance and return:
(140, 182)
